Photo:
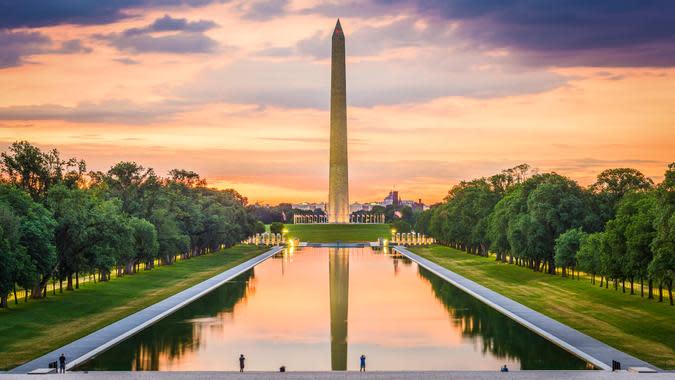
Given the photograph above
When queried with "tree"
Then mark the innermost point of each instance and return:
(109, 239)
(11, 252)
(276, 227)
(36, 236)
(465, 214)
(612, 184)
(639, 234)
(27, 167)
(131, 183)
(259, 227)
(401, 226)
(588, 257)
(145, 244)
(75, 214)
(629, 236)
(662, 267)
(499, 220)
(566, 247)
(423, 222)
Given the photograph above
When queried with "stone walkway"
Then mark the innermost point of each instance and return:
(98, 341)
(429, 375)
(582, 345)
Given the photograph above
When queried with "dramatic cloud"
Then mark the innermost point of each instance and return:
(170, 24)
(600, 33)
(15, 46)
(185, 37)
(373, 40)
(37, 13)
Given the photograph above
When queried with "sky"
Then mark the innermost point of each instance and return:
(437, 91)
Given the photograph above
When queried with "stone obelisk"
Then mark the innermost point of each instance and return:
(338, 177)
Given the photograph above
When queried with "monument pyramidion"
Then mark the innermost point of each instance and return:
(338, 176)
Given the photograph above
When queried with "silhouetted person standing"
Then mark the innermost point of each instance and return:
(242, 359)
(363, 364)
(62, 364)
(504, 369)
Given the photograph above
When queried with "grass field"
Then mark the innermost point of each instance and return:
(31, 329)
(643, 328)
(338, 232)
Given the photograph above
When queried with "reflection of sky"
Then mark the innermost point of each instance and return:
(284, 319)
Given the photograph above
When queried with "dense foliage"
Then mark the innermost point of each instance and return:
(621, 228)
(59, 222)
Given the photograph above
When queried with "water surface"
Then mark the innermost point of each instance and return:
(319, 309)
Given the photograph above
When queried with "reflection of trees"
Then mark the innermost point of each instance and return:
(175, 335)
(499, 335)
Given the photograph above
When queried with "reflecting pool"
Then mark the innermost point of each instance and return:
(318, 309)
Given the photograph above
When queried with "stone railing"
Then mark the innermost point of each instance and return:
(410, 239)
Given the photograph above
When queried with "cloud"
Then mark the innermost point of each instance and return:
(571, 33)
(38, 13)
(185, 37)
(111, 111)
(261, 10)
(72, 47)
(127, 61)
(170, 24)
(301, 83)
(16, 46)
(373, 40)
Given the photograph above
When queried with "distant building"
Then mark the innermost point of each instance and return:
(356, 206)
(414, 205)
(392, 199)
(307, 206)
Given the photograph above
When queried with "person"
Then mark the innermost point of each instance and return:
(504, 369)
(62, 363)
(363, 363)
(242, 359)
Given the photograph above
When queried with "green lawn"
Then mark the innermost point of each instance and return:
(338, 232)
(31, 329)
(643, 328)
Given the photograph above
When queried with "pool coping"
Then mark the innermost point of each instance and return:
(569, 339)
(100, 340)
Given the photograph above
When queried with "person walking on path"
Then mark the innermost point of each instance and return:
(62, 364)
(363, 364)
(504, 369)
(242, 359)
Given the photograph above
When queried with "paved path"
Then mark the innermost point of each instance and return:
(96, 342)
(428, 375)
(582, 345)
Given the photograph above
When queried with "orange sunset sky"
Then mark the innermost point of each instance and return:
(438, 91)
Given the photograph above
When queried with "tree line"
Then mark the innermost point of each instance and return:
(59, 221)
(621, 228)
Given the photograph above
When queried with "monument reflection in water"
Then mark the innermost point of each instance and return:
(319, 309)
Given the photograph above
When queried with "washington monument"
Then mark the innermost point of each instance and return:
(338, 177)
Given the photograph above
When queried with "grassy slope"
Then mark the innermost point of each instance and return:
(335, 232)
(34, 328)
(640, 327)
